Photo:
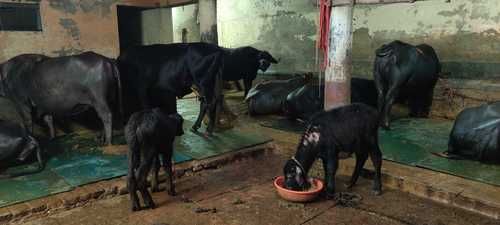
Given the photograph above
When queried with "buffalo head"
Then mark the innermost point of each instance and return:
(295, 177)
(265, 60)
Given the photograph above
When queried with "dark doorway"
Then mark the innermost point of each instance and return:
(129, 26)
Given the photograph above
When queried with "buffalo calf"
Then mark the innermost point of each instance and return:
(332, 135)
(412, 71)
(150, 134)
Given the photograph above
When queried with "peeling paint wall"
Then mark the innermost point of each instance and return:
(465, 34)
(285, 28)
(185, 17)
(157, 26)
(70, 27)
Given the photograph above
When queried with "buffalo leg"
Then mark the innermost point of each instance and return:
(107, 119)
(330, 166)
(248, 85)
(142, 176)
(389, 100)
(376, 158)
(133, 161)
(49, 120)
(426, 103)
(360, 162)
(155, 170)
(167, 166)
(212, 114)
(238, 85)
(203, 110)
(379, 85)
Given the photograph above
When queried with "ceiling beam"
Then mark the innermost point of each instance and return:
(157, 3)
(368, 2)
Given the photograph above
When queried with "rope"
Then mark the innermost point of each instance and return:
(322, 41)
(324, 30)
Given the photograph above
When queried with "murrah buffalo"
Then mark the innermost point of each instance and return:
(63, 86)
(410, 70)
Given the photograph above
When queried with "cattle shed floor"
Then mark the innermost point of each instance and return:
(77, 159)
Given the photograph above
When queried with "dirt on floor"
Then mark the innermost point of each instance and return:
(242, 193)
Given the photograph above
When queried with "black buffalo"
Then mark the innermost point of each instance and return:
(243, 63)
(410, 70)
(305, 101)
(16, 145)
(332, 135)
(150, 134)
(44, 87)
(155, 75)
(268, 97)
(476, 134)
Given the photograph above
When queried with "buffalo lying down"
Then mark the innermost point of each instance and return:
(407, 69)
(16, 145)
(44, 87)
(331, 134)
(268, 97)
(303, 102)
(476, 134)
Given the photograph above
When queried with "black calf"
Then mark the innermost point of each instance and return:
(149, 134)
(331, 134)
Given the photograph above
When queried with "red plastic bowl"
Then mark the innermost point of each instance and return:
(298, 196)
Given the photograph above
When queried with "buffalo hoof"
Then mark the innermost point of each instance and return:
(155, 189)
(194, 129)
(328, 196)
(150, 205)
(349, 186)
(376, 192)
(135, 207)
(386, 127)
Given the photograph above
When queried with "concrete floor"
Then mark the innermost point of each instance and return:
(242, 193)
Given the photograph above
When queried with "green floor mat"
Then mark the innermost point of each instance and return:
(30, 187)
(199, 147)
(284, 124)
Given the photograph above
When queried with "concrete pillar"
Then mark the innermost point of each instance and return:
(339, 68)
(207, 15)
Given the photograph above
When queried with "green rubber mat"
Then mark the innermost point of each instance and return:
(29, 187)
(77, 159)
(284, 124)
(199, 147)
